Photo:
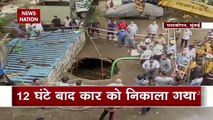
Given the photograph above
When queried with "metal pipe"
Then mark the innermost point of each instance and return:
(123, 58)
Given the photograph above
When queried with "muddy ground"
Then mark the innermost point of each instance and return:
(128, 70)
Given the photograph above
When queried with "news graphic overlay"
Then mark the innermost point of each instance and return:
(28, 16)
(187, 25)
(106, 96)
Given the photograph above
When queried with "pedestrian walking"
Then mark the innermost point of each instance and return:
(185, 38)
(111, 112)
(130, 40)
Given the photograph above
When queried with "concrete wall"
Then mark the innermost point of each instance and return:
(48, 12)
(3, 53)
(67, 60)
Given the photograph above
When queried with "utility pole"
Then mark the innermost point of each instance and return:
(71, 5)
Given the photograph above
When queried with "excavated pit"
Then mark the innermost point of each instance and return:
(90, 68)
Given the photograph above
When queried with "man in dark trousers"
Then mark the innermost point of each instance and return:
(106, 111)
(145, 110)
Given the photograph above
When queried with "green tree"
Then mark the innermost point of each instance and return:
(90, 17)
(2, 21)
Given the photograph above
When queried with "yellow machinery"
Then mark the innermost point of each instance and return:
(189, 6)
(185, 5)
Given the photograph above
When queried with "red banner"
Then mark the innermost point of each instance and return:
(182, 25)
(106, 96)
(28, 16)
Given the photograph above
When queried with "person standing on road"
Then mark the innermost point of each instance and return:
(130, 39)
(150, 66)
(67, 22)
(111, 112)
(121, 37)
(133, 27)
(144, 109)
(170, 50)
(165, 64)
(153, 28)
(122, 25)
(111, 28)
(157, 50)
(185, 38)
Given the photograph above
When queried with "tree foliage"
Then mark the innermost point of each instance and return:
(90, 17)
(2, 21)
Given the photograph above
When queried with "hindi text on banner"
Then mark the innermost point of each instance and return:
(44, 94)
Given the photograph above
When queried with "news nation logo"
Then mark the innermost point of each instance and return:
(28, 16)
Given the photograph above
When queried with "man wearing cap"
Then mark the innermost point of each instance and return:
(147, 43)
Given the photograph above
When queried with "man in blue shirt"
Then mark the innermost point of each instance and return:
(111, 28)
(121, 37)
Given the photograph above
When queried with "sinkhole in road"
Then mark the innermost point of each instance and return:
(93, 68)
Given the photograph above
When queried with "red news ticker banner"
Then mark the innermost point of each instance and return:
(106, 96)
(25, 16)
(182, 25)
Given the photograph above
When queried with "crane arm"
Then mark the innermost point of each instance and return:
(189, 6)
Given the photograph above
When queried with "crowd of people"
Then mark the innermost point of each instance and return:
(160, 59)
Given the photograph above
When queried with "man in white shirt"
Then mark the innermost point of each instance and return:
(118, 82)
(147, 43)
(163, 80)
(63, 82)
(133, 27)
(157, 50)
(186, 36)
(153, 28)
(67, 22)
(38, 27)
(150, 66)
(145, 55)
